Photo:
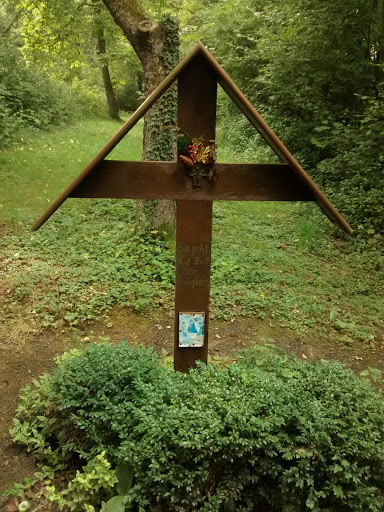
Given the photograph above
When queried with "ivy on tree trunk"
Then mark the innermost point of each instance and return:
(160, 125)
(156, 43)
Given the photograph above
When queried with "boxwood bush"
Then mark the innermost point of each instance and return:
(266, 432)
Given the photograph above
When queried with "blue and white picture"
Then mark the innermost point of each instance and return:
(191, 329)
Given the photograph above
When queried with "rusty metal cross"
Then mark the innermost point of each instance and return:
(198, 75)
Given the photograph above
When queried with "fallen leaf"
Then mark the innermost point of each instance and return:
(44, 491)
(12, 504)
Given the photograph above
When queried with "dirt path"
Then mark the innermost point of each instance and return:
(20, 362)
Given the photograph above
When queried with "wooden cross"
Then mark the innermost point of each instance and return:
(198, 75)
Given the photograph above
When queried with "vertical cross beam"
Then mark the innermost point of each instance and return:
(197, 90)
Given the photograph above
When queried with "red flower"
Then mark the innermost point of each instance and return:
(191, 152)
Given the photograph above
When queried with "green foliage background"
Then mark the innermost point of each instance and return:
(267, 430)
(29, 98)
(312, 68)
(277, 262)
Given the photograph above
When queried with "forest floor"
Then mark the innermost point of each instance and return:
(280, 274)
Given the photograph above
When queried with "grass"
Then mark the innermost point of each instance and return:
(279, 262)
(37, 169)
(287, 268)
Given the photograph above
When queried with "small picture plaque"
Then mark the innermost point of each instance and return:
(191, 329)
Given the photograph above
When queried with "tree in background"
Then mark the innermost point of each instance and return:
(299, 61)
(101, 50)
(71, 39)
(29, 97)
(66, 30)
(314, 69)
(156, 44)
(380, 52)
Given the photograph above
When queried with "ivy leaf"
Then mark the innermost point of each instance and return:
(318, 143)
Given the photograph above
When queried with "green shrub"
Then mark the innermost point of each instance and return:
(99, 392)
(35, 425)
(91, 485)
(265, 432)
(127, 96)
(353, 175)
(30, 99)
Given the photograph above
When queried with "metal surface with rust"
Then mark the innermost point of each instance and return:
(197, 89)
(244, 105)
(198, 74)
(169, 180)
(193, 267)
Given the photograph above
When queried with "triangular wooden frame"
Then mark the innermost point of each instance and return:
(246, 108)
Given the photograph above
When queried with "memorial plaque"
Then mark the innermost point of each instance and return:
(191, 329)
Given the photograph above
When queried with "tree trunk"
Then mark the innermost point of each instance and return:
(157, 46)
(113, 109)
(160, 123)
(380, 13)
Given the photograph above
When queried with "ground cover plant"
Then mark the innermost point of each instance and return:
(275, 261)
(264, 431)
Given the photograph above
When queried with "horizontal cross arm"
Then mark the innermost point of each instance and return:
(169, 180)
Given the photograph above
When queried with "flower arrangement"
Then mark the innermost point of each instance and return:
(199, 157)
